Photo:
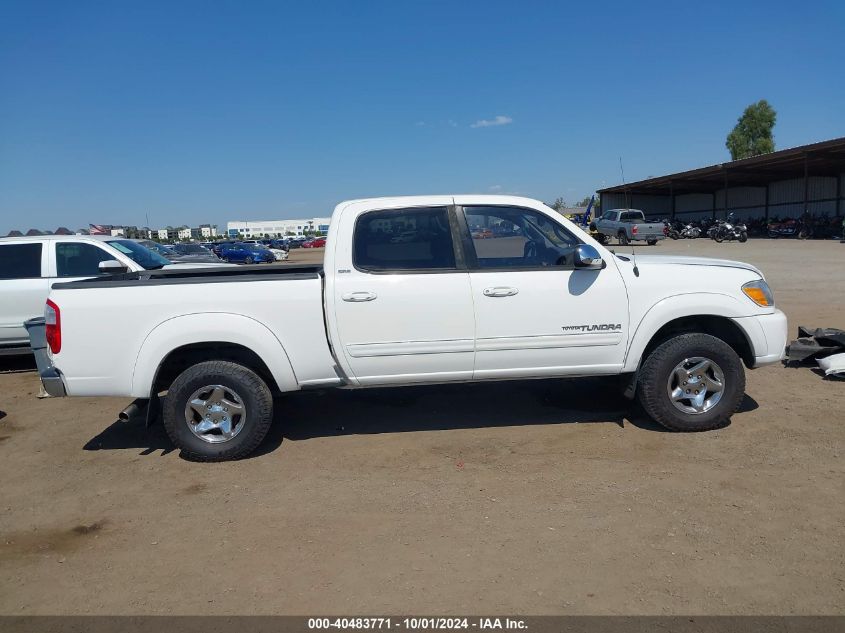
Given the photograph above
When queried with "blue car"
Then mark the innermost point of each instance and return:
(246, 253)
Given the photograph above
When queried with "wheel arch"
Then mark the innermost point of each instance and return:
(705, 313)
(186, 340)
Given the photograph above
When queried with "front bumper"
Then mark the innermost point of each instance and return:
(51, 377)
(767, 334)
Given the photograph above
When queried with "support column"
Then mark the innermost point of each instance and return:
(806, 184)
(726, 193)
(672, 200)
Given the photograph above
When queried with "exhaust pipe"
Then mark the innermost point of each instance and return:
(133, 409)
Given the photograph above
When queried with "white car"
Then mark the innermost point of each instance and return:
(279, 254)
(534, 298)
(29, 265)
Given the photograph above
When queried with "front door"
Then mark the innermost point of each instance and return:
(536, 314)
(402, 303)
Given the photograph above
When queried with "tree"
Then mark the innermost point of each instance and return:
(558, 204)
(752, 134)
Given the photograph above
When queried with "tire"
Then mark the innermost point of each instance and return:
(674, 235)
(623, 238)
(601, 238)
(225, 259)
(651, 242)
(659, 368)
(240, 386)
(248, 260)
(718, 236)
(743, 237)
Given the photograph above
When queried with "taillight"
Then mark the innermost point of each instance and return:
(53, 318)
(634, 230)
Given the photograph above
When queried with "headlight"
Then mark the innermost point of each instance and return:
(759, 292)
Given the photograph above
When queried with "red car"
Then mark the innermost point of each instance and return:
(319, 242)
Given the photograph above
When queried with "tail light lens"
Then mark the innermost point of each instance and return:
(53, 318)
(634, 230)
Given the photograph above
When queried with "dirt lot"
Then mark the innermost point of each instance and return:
(543, 497)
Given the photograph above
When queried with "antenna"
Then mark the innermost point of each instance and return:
(628, 208)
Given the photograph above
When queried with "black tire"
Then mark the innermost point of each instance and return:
(674, 235)
(719, 236)
(251, 389)
(601, 238)
(651, 242)
(743, 237)
(249, 260)
(623, 238)
(658, 368)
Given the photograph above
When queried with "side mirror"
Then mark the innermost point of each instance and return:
(111, 266)
(587, 256)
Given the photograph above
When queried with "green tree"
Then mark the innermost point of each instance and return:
(558, 204)
(752, 134)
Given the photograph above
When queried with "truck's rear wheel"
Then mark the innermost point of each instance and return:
(651, 242)
(217, 411)
(692, 382)
(623, 238)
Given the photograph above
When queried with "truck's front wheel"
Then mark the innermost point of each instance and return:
(692, 382)
(217, 411)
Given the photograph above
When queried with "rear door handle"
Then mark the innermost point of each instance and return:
(500, 291)
(359, 296)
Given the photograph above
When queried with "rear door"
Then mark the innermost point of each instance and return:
(23, 288)
(536, 315)
(400, 297)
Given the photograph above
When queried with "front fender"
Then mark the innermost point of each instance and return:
(676, 307)
(222, 327)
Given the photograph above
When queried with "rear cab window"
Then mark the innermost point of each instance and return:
(417, 239)
(20, 261)
(79, 259)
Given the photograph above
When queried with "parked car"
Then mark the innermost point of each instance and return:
(317, 242)
(29, 265)
(628, 225)
(246, 253)
(279, 254)
(545, 301)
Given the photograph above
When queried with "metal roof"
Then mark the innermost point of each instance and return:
(826, 158)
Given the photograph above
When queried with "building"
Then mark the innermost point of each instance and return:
(164, 234)
(782, 184)
(183, 233)
(277, 228)
(207, 230)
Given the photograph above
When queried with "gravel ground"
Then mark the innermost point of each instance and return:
(536, 497)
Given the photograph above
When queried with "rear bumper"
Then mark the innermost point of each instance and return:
(51, 377)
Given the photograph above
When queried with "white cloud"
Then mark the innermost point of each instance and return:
(496, 188)
(452, 123)
(499, 120)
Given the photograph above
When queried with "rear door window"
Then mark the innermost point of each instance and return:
(20, 261)
(404, 240)
(78, 259)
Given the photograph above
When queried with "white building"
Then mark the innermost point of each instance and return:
(164, 234)
(277, 228)
(208, 230)
(183, 233)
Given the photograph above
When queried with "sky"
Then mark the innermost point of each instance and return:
(185, 112)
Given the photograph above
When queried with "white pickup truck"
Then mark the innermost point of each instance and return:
(413, 290)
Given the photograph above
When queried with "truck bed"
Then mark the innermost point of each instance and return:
(217, 274)
(113, 339)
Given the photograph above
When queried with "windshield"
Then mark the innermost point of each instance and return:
(140, 254)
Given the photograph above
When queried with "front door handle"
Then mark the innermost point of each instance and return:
(359, 296)
(500, 291)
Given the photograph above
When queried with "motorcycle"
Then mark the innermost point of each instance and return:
(792, 227)
(730, 230)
